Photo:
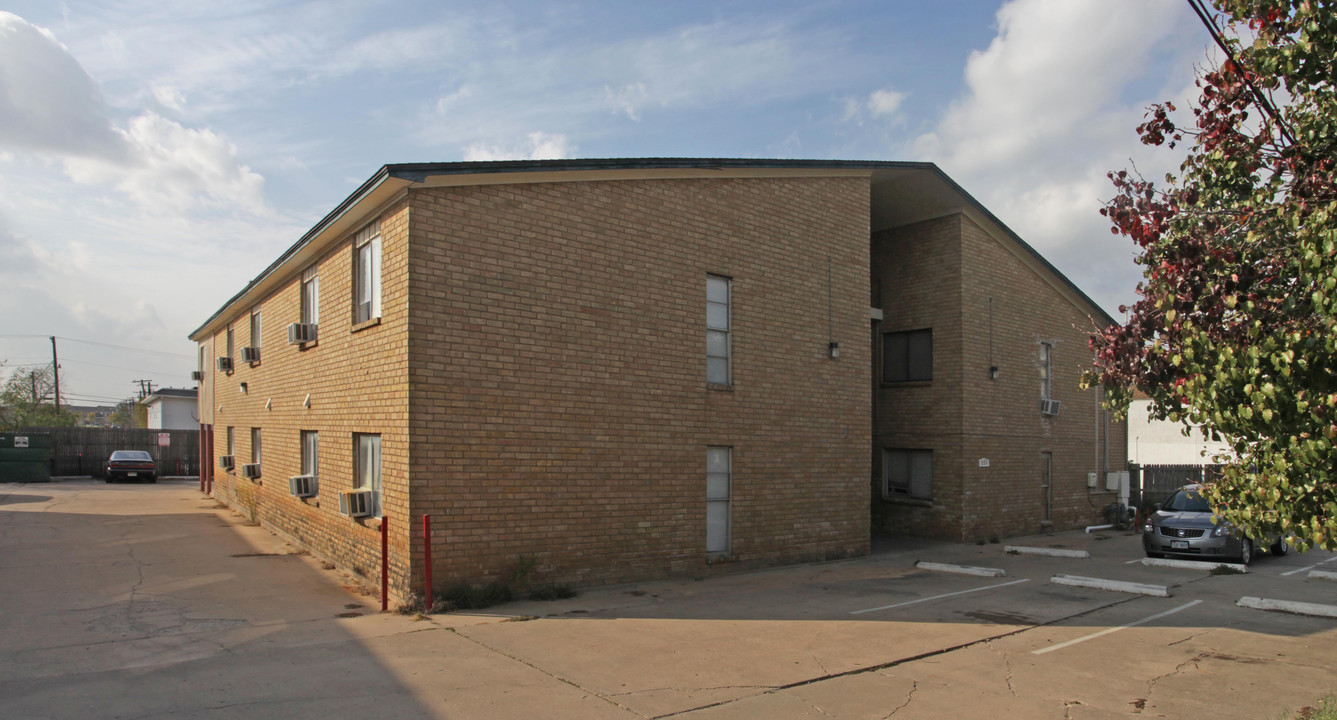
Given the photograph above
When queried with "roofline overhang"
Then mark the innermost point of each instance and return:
(393, 179)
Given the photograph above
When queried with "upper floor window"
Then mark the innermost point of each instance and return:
(255, 445)
(310, 296)
(230, 348)
(367, 274)
(255, 328)
(907, 356)
(718, 353)
(231, 441)
(1046, 370)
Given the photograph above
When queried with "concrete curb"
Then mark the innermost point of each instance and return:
(1111, 585)
(961, 569)
(1048, 552)
(1194, 565)
(1321, 575)
(1287, 606)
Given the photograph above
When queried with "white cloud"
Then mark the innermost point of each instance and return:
(627, 98)
(535, 146)
(885, 102)
(50, 107)
(169, 97)
(47, 102)
(1049, 107)
(175, 168)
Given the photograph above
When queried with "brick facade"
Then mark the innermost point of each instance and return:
(538, 374)
(988, 306)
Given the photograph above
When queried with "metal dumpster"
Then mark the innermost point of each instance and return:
(25, 457)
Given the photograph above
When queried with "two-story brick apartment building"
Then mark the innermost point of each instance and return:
(627, 369)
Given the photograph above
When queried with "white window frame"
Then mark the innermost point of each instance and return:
(367, 467)
(913, 488)
(230, 342)
(310, 448)
(255, 445)
(719, 499)
(719, 330)
(310, 313)
(231, 441)
(367, 274)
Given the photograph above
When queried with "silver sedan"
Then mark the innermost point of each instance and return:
(1186, 526)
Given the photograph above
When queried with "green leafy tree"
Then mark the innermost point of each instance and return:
(27, 400)
(129, 414)
(1236, 327)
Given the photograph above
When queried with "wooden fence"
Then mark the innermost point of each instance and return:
(1156, 483)
(84, 451)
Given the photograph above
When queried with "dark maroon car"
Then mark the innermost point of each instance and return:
(131, 465)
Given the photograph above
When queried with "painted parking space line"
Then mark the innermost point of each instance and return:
(1309, 567)
(939, 597)
(1107, 631)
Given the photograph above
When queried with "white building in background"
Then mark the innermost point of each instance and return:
(1161, 442)
(172, 409)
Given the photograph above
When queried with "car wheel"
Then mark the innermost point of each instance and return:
(153, 479)
(106, 480)
(1279, 548)
(1246, 551)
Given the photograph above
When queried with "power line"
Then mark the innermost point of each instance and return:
(1262, 102)
(102, 344)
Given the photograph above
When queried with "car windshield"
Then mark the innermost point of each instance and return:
(1187, 501)
(130, 455)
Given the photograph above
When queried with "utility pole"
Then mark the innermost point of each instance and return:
(33, 374)
(55, 369)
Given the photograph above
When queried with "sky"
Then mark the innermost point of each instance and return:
(155, 157)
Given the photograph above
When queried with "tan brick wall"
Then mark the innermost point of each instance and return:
(944, 273)
(357, 380)
(558, 400)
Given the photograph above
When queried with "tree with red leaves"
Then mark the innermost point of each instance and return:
(1236, 327)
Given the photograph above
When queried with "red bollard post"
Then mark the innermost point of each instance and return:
(427, 561)
(385, 563)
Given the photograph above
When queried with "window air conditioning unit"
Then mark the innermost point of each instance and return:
(1049, 407)
(250, 470)
(197, 375)
(226, 462)
(250, 354)
(356, 503)
(300, 333)
(225, 364)
(302, 486)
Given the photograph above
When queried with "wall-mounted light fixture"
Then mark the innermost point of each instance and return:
(269, 402)
(834, 349)
(306, 403)
(993, 372)
(244, 388)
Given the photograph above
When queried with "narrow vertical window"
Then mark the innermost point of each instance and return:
(1046, 370)
(311, 453)
(719, 494)
(367, 473)
(718, 330)
(231, 441)
(255, 445)
(255, 328)
(367, 268)
(310, 296)
(230, 348)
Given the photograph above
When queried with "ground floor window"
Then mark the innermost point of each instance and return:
(719, 493)
(367, 466)
(310, 453)
(907, 473)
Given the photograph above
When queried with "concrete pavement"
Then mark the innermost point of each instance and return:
(151, 601)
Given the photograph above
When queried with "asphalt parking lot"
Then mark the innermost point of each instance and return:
(150, 601)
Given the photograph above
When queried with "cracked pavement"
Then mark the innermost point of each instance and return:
(151, 602)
